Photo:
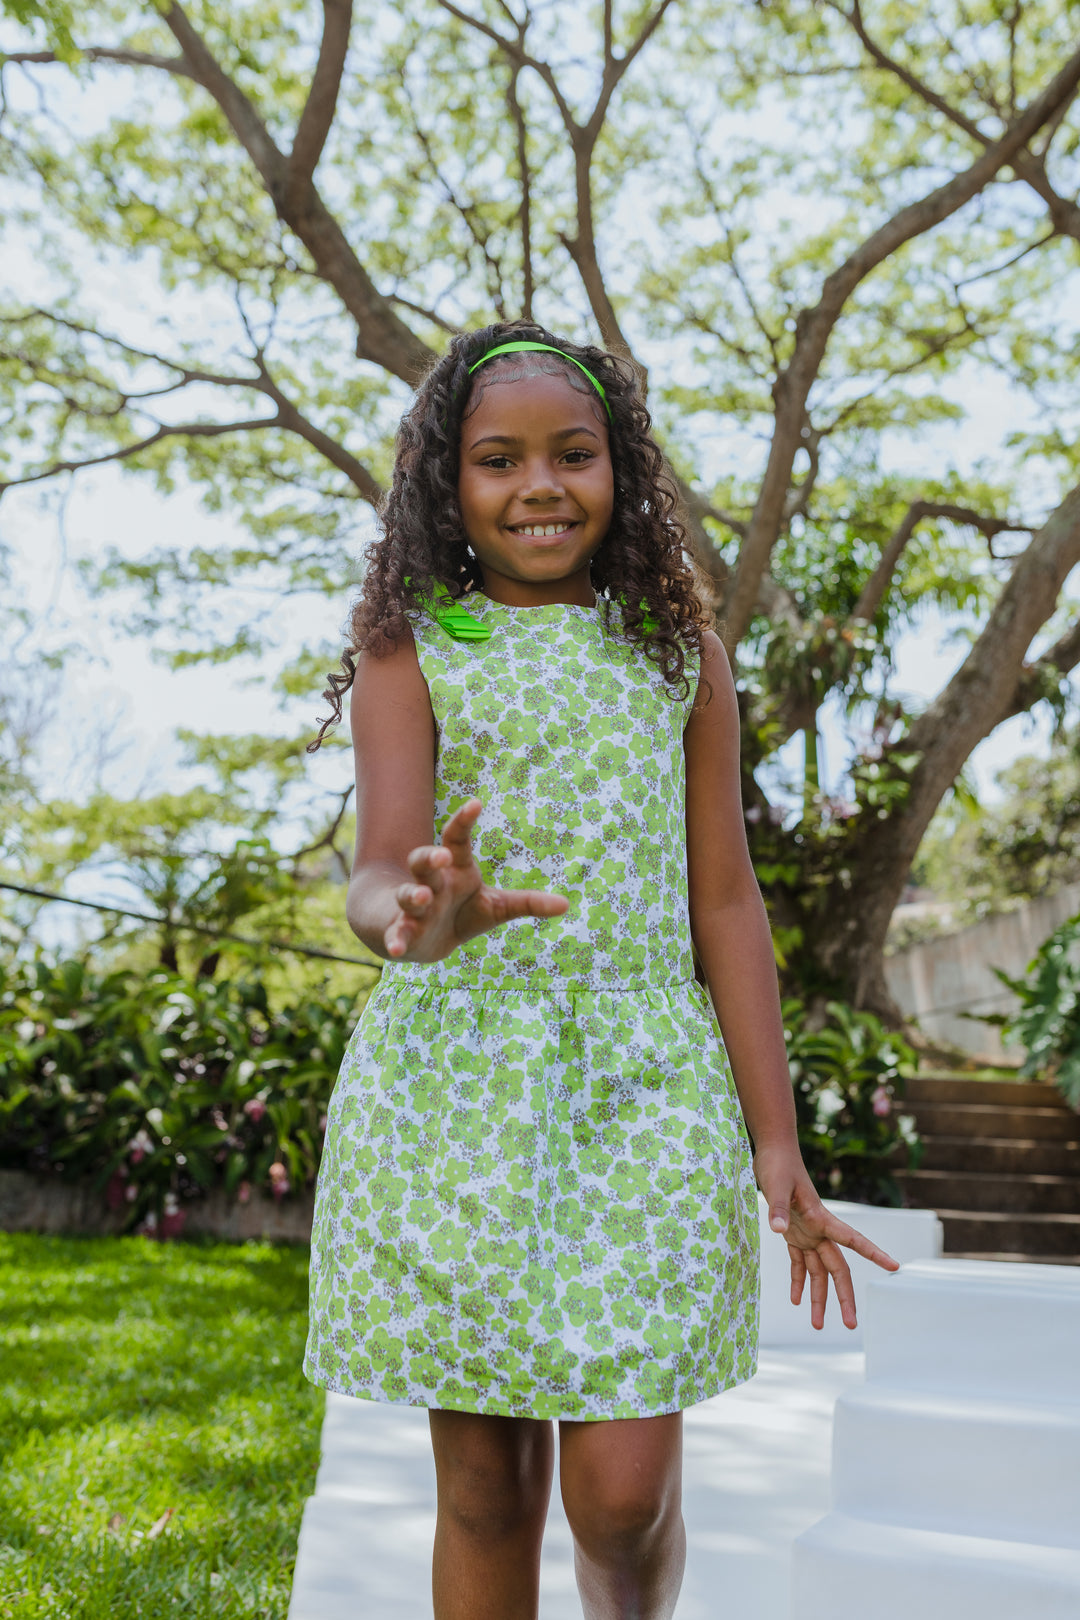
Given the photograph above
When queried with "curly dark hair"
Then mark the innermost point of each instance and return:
(642, 567)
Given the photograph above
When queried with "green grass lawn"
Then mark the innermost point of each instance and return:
(158, 1438)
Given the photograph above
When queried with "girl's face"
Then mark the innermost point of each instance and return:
(536, 488)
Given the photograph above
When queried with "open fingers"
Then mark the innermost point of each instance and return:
(838, 1232)
(457, 831)
(819, 1287)
(506, 904)
(427, 864)
(837, 1268)
(798, 1275)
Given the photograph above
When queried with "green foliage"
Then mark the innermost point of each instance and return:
(984, 858)
(161, 1087)
(1048, 1023)
(158, 1436)
(848, 1076)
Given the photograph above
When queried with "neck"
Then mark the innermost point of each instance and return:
(574, 590)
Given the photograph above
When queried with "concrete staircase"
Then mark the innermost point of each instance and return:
(956, 1465)
(1001, 1167)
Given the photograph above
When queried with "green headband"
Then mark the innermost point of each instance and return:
(518, 348)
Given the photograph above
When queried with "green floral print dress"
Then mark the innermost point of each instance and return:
(535, 1197)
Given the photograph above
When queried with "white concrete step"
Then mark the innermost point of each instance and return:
(976, 1327)
(970, 1467)
(846, 1568)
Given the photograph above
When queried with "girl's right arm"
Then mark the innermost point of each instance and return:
(408, 897)
(393, 734)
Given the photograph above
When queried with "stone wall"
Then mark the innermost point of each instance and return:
(45, 1204)
(939, 981)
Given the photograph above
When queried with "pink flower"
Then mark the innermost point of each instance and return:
(279, 1180)
(219, 1119)
(255, 1109)
(881, 1103)
(322, 1124)
(243, 1192)
(140, 1145)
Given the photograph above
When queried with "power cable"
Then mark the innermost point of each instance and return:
(196, 928)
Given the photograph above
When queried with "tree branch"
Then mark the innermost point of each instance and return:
(321, 104)
(178, 65)
(1064, 212)
(288, 416)
(198, 430)
(874, 590)
(814, 328)
(1057, 661)
(382, 337)
(984, 689)
(525, 212)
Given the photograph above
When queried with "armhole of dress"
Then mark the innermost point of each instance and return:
(421, 630)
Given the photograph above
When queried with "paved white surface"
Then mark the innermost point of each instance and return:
(756, 1476)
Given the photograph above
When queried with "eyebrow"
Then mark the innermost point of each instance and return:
(507, 438)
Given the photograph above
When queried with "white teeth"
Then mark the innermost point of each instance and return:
(540, 531)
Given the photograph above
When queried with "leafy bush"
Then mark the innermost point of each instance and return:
(1048, 1023)
(162, 1087)
(847, 1077)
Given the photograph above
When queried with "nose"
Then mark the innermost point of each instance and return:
(541, 482)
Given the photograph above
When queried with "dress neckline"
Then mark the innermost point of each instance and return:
(479, 599)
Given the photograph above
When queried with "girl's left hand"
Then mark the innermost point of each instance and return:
(813, 1234)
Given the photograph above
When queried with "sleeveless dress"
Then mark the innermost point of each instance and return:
(535, 1198)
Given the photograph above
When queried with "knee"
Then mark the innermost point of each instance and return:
(620, 1516)
(490, 1503)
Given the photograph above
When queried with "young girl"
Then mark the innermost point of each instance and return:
(537, 1199)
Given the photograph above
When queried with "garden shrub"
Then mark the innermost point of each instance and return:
(847, 1078)
(162, 1087)
(1047, 1025)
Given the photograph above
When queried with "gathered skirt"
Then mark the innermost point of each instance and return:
(534, 1201)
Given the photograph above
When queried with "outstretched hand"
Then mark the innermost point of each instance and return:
(813, 1234)
(448, 902)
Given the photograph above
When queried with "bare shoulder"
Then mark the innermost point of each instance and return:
(391, 687)
(715, 702)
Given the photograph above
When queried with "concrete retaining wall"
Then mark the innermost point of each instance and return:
(940, 980)
(45, 1204)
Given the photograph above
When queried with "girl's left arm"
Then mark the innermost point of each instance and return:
(731, 934)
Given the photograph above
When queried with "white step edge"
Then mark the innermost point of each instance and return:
(976, 1327)
(967, 1466)
(847, 1568)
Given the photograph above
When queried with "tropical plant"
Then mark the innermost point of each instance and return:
(160, 1087)
(848, 1077)
(1047, 1025)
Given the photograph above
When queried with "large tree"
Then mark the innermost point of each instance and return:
(814, 227)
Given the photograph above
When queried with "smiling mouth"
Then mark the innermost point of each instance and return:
(543, 531)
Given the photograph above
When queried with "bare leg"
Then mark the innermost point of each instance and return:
(622, 1490)
(494, 1482)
